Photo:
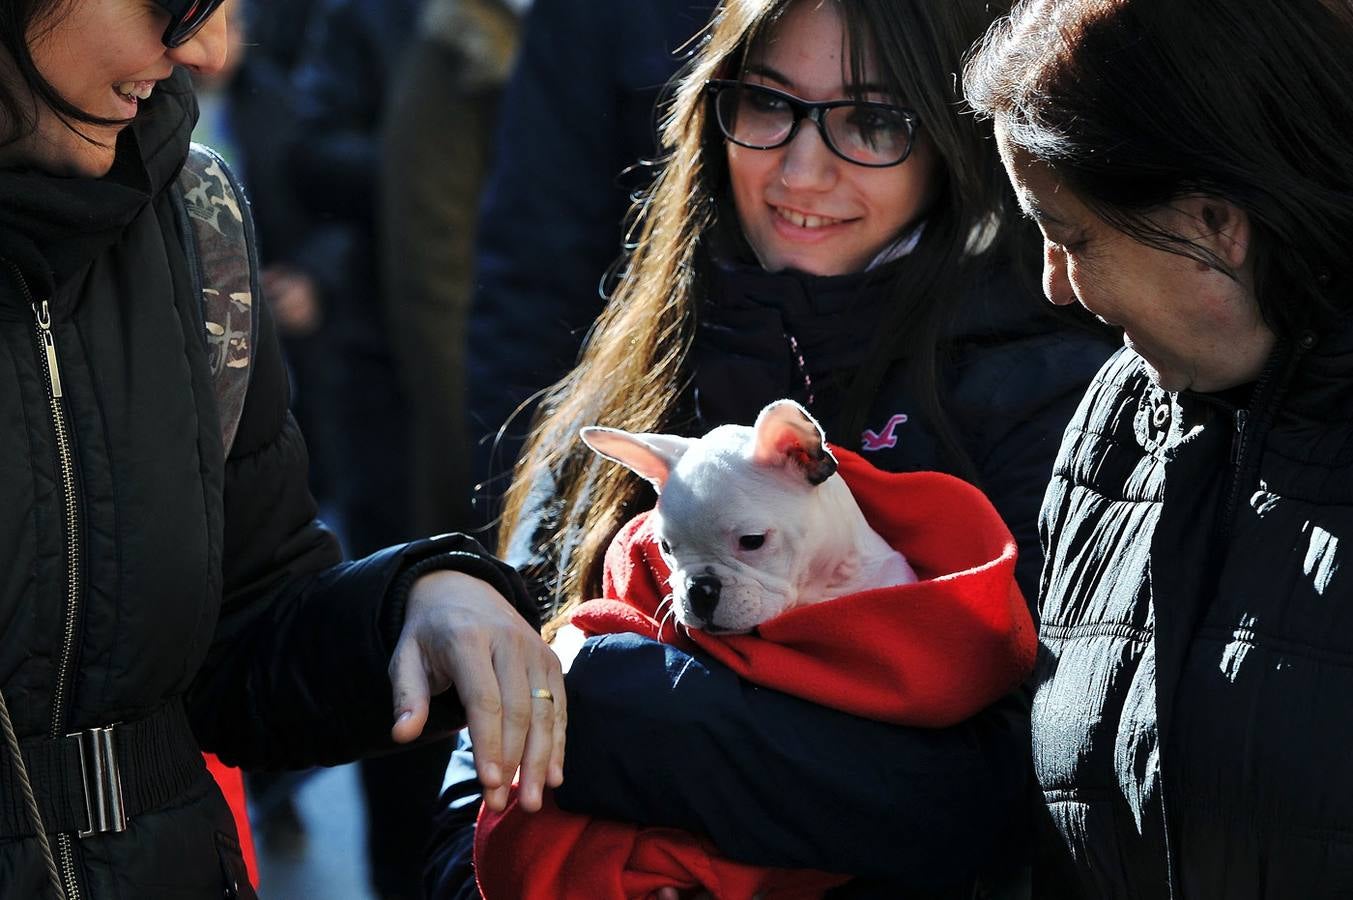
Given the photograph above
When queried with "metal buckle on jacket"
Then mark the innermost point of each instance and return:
(102, 781)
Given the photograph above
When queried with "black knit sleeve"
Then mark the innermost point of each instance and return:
(297, 671)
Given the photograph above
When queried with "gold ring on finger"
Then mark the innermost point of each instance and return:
(542, 694)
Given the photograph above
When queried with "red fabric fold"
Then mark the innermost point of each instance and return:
(927, 654)
(231, 782)
(930, 653)
(557, 855)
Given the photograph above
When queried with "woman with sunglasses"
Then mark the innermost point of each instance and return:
(827, 226)
(158, 596)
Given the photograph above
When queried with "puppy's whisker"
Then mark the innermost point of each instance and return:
(670, 614)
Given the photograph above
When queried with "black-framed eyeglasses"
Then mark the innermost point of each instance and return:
(864, 132)
(186, 18)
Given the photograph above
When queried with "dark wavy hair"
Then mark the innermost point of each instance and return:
(22, 22)
(1138, 103)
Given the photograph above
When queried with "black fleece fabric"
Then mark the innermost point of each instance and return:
(195, 576)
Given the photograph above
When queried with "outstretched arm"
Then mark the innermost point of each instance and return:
(313, 660)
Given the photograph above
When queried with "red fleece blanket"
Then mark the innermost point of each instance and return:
(231, 782)
(928, 654)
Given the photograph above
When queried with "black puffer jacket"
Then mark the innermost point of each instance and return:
(141, 571)
(1196, 665)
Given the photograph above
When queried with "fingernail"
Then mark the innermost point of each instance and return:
(404, 716)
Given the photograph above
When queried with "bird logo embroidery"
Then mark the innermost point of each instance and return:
(885, 439)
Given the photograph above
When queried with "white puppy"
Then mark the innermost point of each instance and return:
(754, 521)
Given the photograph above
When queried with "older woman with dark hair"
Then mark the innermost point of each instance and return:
(1189, 165)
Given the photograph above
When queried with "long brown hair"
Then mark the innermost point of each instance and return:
(633, 368)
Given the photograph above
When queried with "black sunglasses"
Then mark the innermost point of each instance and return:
(186, 18)
(863, 132)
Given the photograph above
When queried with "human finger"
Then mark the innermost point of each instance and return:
(477, 686)
(409, 682)
(556, 769)
(514, 687)
(536, 755)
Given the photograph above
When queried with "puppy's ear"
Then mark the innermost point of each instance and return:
(649, 456)
(787, 434)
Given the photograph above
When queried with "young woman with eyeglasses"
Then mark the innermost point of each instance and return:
(158, 595)
(825, 225)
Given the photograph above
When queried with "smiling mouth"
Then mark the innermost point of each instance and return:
(134, 91)
(802, 220)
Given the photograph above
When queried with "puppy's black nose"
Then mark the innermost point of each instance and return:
(702, 591)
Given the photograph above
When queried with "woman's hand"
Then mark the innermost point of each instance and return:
(461, 634)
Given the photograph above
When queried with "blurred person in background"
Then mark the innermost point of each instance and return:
(352, 51)
(295, 249)
(438, 147)
(577, 113)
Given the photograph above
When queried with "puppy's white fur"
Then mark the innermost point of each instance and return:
(754, 521)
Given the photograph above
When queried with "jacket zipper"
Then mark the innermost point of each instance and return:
(66, 462)
(1264, 402)
(1242, 418)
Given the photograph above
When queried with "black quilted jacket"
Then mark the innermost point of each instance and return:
(137, 565)
(1193, 723)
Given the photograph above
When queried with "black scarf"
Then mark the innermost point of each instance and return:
(764, 335)
(52, 227)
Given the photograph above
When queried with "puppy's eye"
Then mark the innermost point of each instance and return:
(751, 541)
(664, 546)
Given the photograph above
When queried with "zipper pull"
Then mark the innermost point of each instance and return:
(1238, 442)
(44, 318)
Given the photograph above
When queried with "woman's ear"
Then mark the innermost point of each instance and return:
(1220, 226)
